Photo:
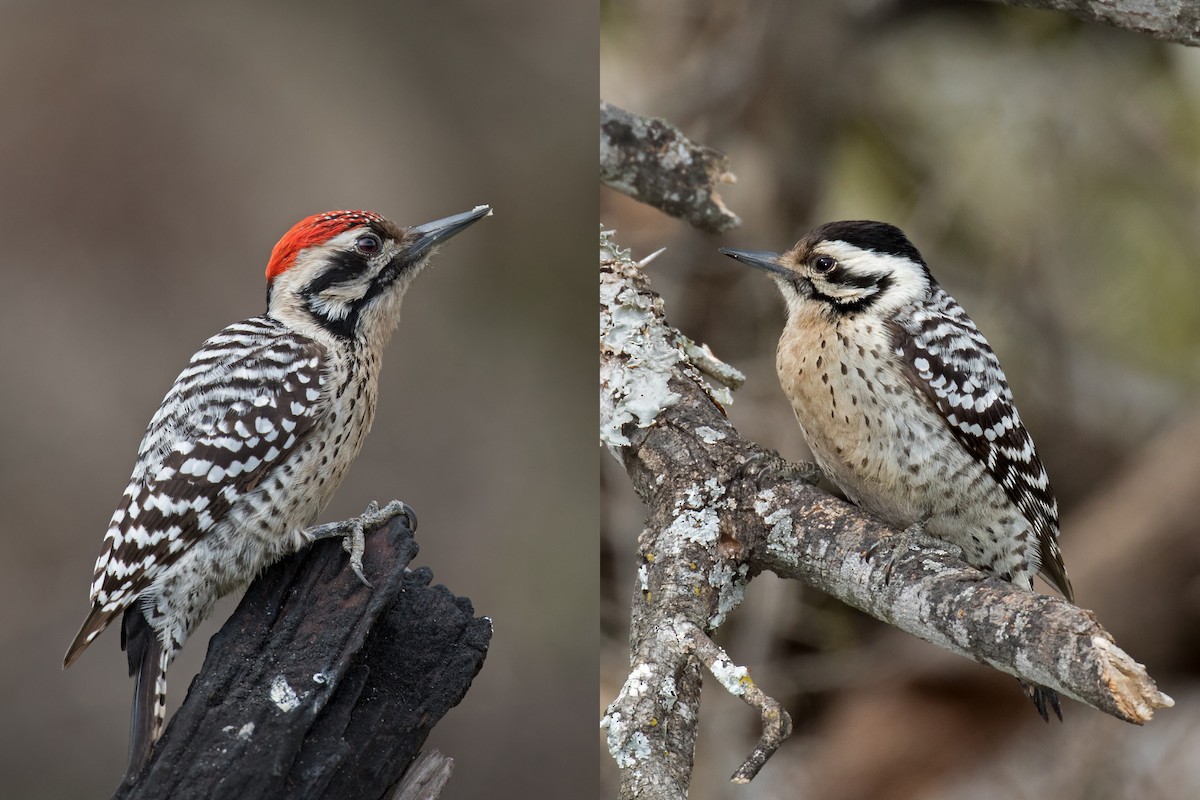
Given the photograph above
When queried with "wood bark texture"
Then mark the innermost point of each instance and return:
(319, 686)
(653, 162)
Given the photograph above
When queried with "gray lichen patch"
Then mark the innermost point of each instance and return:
(634, 382)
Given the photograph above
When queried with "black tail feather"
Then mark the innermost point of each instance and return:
(1044, 700)
(143, 650)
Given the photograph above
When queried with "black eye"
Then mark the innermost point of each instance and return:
(823, 265)
(368, 244)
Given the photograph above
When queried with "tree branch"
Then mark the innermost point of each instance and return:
(651, 161)
(319, 686)
(711, 528)
(1169, 20)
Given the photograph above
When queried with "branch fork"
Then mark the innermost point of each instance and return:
(711, 527)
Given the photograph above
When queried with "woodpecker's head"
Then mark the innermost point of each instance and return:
(346, 272)
(848, 267)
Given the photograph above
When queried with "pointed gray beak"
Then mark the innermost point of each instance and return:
(431, 234)
(760, 259)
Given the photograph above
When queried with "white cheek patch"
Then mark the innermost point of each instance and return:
(346, 292)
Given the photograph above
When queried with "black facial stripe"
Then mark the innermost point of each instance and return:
(843, 307)
(345, 327)
(346, 266)
(387, 276)
(841, 278)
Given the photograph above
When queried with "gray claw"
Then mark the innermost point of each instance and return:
(355, 544)
(375, 516)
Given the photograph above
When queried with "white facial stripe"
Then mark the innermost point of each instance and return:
(908, 279)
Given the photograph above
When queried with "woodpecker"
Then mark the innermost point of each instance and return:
(905, 407)
(252, 441)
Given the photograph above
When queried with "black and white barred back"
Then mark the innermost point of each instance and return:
(206, 505)
(948, 360)
(247, 396)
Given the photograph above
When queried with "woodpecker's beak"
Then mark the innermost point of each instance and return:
(761, 259)
(431, 234)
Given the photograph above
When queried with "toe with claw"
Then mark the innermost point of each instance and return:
(769, 464)
(355, 543)
(868, 554)
(375, 516)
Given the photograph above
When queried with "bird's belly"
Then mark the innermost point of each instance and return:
(899, 460)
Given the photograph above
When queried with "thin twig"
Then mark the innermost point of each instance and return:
(776, 723)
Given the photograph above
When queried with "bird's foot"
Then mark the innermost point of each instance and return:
(355, 541)
(769, 464)
(353, 532)
(868, 553)
(375, 516)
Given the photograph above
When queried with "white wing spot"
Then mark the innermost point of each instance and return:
(195, 466)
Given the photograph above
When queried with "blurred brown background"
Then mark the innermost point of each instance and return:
(149, 159)
(1049, 171)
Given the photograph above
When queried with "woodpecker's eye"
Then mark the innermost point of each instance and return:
(368, 244)
(823, 265)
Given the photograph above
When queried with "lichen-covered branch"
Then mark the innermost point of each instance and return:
(651, 161)
(922, 586)
(1170, 20)
(712, 525)
(776, 723)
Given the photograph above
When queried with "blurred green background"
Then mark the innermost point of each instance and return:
(1049, 171)
(150, 156)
